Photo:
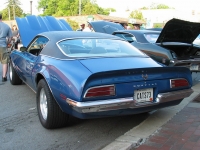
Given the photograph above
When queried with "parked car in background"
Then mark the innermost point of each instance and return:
(196, 41)
(171, 46)
(91, 75)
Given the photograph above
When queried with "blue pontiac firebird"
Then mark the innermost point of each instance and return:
(90, 75)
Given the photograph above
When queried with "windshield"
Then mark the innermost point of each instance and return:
(152, 37)
(98, 47)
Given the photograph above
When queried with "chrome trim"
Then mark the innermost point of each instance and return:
(144, 76)
(174, 43)
(126, 103)
(186, 63)
(75, 38)
(177, 79)
(98, 87)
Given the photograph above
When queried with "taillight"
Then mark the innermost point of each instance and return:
(99, 91)
(178, 83)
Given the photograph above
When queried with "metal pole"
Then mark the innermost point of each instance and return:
(79, 7)
(9, 12)
(14, 9)
(31, 7)
(13, 12)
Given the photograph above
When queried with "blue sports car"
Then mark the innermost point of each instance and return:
(91, 75)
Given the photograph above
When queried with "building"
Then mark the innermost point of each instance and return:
(161, 16)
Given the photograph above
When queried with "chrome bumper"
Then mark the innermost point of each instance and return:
(187, 63)
(124, 103)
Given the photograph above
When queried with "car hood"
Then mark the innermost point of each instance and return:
(105, 26)
(176, 30)
(119, 63)
(32, 25)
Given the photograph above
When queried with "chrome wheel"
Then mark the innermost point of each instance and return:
(10, 72)
(43, 104)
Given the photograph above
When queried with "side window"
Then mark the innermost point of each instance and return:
(37, 45)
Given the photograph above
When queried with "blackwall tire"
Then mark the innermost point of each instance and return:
(50, 114)
(14, 78)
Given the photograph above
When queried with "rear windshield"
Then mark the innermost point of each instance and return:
(151, 38)
(98, 47)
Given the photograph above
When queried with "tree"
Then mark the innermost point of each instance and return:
(159, 6)
(12, 10)
(162, 6)
(70, 7)
(136, 14)
(144, 8)
(73, 24)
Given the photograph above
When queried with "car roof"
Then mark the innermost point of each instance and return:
(51, 49)
(60, 35)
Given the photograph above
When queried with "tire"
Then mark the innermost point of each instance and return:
(50, 114)
(14, 78)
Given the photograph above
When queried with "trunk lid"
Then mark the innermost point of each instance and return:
(118, 63)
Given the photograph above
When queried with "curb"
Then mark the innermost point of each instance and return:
(137, 135)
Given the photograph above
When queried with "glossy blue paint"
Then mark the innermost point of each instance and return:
(125, 73)
(109, 64)
(71, 77)
(33, 25)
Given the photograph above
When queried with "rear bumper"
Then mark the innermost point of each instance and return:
(126, 103)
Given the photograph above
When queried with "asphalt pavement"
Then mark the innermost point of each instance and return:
(171, 128)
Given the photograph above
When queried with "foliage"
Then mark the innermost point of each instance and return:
(13, 2)
(110, 10)
(158, 25)
(159, 6)
(136, 14)
(156, 6)
(12, 9)
(73, 24)
(70, 7)
(144, 8)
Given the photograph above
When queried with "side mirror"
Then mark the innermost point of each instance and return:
(22, 49)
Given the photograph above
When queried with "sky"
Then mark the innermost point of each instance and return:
(121, 5)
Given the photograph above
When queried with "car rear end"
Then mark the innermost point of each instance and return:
(132, 91)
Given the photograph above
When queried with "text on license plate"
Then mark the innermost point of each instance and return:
(143, 95)
(194, 67)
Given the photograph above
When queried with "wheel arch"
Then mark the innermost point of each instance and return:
(41, 76)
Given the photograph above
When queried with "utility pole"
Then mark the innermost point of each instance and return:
(9, 12)
(13, 11)
(13, 5)
(31, 7)
(79, 7)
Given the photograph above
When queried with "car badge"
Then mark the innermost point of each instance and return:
(144, 76)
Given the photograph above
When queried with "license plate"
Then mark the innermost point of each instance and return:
(194, 67)
(143, 95)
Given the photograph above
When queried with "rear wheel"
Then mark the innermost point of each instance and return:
(14, 78)
(50, 114)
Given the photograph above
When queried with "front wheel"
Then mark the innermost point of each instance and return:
(50, 114)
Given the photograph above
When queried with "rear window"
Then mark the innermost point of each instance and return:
(126, 36)
(151, 38)
(98, 47)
